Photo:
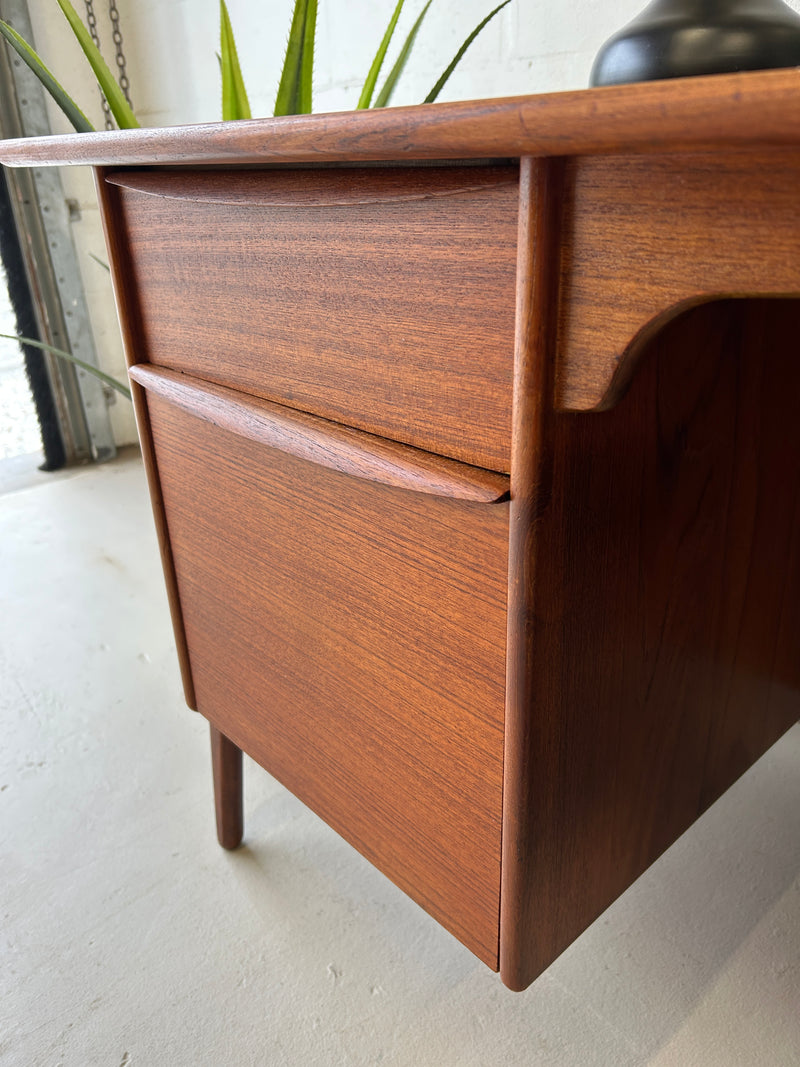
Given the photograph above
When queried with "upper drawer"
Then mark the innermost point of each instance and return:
(379, 297)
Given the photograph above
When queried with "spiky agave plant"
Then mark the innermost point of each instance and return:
(295, 84)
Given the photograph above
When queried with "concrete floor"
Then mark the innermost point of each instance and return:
(129, 938)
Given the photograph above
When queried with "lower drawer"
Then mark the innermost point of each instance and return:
(350, 636)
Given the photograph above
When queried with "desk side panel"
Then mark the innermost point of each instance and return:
(126, 297)
(665, 624)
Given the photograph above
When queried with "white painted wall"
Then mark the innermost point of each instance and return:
(531, 46)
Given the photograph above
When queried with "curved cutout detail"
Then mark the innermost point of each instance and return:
(644, 238)
(639, 346)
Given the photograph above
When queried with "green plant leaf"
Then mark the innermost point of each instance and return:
(102, 262)
(459, 54)
(294, 89)
(383, 97)
(235, 104)
(120, 108)
(68, 356)
(380, 55)
(54, 87)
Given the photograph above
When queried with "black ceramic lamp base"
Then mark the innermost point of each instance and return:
(683, 38)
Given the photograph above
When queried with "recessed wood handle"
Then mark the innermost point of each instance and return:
(324, 443)
(346, 187)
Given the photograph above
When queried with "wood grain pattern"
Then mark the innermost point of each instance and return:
(325, 443)
(681, 115)
(226, 768)
(644, 238)
(367, 313)
(664, 629)
(351, 638)
(127, 302)
(541, 187)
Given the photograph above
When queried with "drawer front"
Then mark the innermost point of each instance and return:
(380, 298)
(350, 636)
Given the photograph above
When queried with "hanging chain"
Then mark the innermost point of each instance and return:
(91, 18)
(116, 36)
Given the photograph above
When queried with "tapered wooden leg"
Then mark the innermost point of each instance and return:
(226, 763)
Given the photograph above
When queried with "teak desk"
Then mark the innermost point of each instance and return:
(472, 435)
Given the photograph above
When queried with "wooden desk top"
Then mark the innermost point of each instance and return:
(682, 115)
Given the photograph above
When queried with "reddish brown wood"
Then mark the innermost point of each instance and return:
(350, 634)
(127, 303)
(226, 766)
(646, 237)
(351, 638)
(346, 187)
(541, 186)
(366, 312)
(663, 626)
(324, 443)
(681, 115)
